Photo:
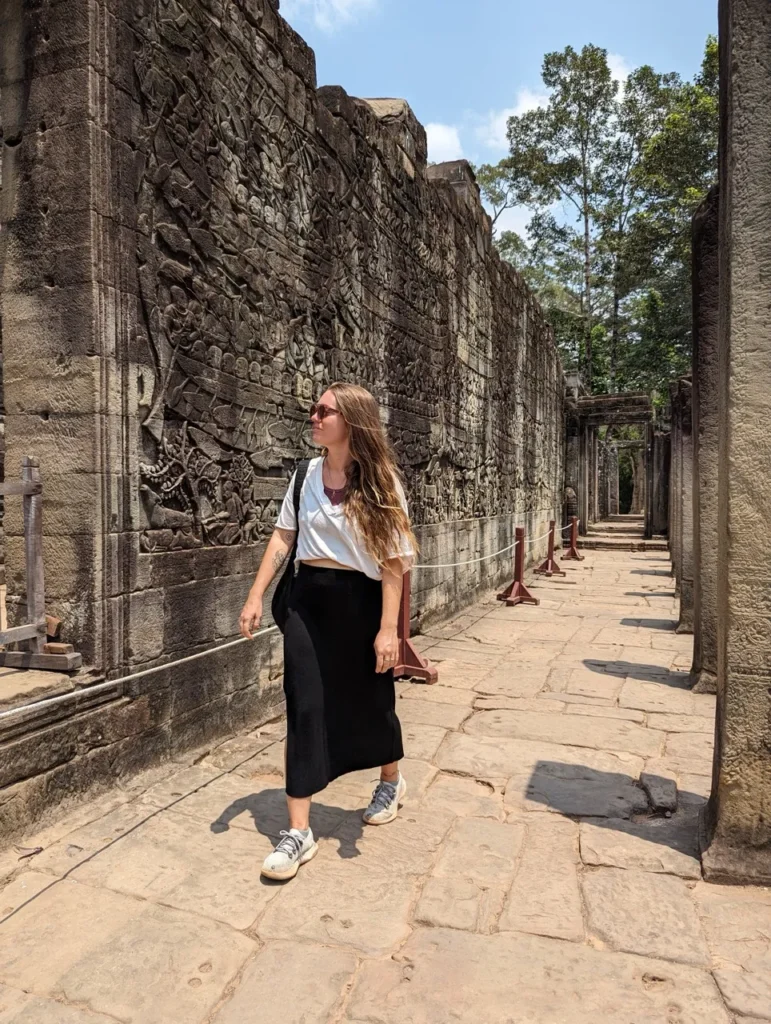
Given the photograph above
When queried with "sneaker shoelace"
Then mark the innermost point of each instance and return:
(290, 845)
(383, 795)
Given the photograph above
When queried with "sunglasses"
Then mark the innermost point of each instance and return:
(322, 411)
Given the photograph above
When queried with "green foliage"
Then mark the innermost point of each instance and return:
(612, 178)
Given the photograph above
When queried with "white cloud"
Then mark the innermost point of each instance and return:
(443, 143)
(328, 15)
(491, 131)
(619, 69)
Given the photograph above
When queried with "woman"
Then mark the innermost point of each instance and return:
(340, 637)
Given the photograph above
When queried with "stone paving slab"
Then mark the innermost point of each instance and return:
(444, 975)
(527, 878)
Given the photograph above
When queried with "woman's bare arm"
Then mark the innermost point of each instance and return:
(276, 554)
(387, 641)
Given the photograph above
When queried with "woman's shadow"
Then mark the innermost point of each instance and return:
(268, 811)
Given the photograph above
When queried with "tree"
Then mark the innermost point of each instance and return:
(612, 178)
(558, 151)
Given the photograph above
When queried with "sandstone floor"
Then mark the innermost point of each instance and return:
(538, 872)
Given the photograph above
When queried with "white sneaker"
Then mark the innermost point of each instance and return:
(384, 805)
(294, 849)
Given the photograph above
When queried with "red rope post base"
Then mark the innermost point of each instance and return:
(572, 552)
(410, 662)
(517, 592)
(549, 567)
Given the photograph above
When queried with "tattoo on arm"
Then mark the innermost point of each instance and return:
(287, 536)
(278, 560)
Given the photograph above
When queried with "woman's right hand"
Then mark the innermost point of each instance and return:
(251, 616)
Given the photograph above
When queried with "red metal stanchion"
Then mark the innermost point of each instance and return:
(411, 664)
(549, 567)
(572, 552)
(517, 592)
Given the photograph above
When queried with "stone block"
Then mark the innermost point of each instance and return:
(571, 730)
(659, 916)
(545, 897)
(554, 980)
(471, 876)
(662, 792)
(316, 975)
(668, 847)
(737, 925)
(101, 961)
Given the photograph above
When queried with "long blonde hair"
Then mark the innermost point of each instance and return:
(372, 500)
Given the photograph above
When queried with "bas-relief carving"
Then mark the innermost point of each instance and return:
(277, 251)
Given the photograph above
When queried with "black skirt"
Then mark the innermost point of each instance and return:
(341, 714)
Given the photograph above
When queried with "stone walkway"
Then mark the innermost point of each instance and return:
(528, 878)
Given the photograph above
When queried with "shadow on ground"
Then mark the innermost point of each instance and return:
(615, 801)
(645, 673)
(268, 812)
(666, 625)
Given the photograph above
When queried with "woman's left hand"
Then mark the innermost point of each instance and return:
(386, 649)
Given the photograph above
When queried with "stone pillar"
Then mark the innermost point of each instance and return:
(685, 624)
(675, 487)
(613, 482)
(584, 476)
(592, 475)
(738, 841)
(602, 492)
(660, 473)
(638, 492)
(650, 489)
(705, 443)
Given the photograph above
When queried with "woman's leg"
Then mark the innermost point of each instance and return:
(299, 812)
(389, 772)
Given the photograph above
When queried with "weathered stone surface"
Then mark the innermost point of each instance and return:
(438, 693)
(568, 729)
(662, 792)
(495, 978)
(545, 898)
(295, 982)
(659, 697)
(431, 713)
(493, 757)
(344, 903)
(593, 711)
(668, 847)
(577, 790)
(737, 923)
(682, 723)
(206, 870)
(471, 876)
(126, 958)
(690, 745)
(421, 742)
(659, 917)
(464, 797)
(18, 1007)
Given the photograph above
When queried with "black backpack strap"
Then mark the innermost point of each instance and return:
(299, 480)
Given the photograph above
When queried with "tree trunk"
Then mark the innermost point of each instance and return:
(588, 299)
(614, 334)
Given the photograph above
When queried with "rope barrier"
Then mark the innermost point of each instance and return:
(143, 673)
(471, 561)
(112, 683)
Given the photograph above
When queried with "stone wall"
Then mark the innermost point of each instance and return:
(197, 241)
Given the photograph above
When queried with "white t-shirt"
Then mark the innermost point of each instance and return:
(326, 532)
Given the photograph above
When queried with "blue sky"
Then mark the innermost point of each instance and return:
(464, 66)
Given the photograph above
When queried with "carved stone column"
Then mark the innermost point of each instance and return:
(685, 526)
(675, 486)
(613, 482)
(705, 442)
(739, 819)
